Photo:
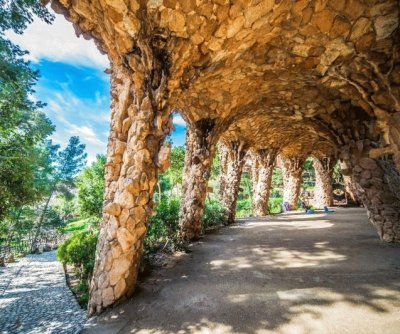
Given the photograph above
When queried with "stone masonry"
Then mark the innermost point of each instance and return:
(307, 77)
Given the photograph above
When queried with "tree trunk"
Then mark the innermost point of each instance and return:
(41, 219)
(200, 148)
(140, 122)
(323, 191)
(265, 161)
(292, 173)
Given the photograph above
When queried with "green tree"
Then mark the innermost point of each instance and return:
(173, 176)
(23, 128)
(91, 188)
(308, 174)
(67, 164)
(174, 172)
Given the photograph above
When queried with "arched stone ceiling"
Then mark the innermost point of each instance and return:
(285, 61)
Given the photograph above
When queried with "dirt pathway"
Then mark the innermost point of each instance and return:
(291, 273)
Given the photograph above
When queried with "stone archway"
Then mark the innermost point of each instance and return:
(287, 75)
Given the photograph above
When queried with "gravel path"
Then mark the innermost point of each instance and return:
(34, 298)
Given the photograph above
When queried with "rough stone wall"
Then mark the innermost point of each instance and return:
(233, 154)
(264, 159)
(375, 192)
(201, 140)
(323, 191)
(292, 170)
(372, 178)
(135, 154)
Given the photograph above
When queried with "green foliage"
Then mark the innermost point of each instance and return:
(308, 181)
(214, 214)
(337, 174)
(69, 162)
(23, 128)
(276, 182)
(91, 188)
(17, 14)
(81, 224)
(246, 187)
(243, 208)
(275, 205)
(79, 250)
(66, 164)
(164, 226)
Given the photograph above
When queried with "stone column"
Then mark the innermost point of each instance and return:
(376, 182)
(349, 189)
(254, 172)
(200, 147)
(292, 170)
(223, 152)
(266, 162)
(323, 191)
(139, 123)
(235, 152)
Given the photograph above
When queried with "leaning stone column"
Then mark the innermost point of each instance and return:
(323, 191)
(376, 183)
(265, 161)
(200, 147)
(235, 153)
(139, 122)
(292, 169)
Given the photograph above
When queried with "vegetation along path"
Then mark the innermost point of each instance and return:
(290, 273)
(34, 297)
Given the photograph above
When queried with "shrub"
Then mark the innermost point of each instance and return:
(163, 226)
(243, 208)
(275, 205)
(214, 214)
(79, 250)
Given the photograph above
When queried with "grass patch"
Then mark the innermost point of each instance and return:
(81, 225)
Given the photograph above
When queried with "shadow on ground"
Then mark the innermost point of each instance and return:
(292, 273)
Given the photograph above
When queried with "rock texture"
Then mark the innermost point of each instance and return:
(201, 140)
(263, 163)
(232, 160)
(292, 170)
(139, 124)
(373, 180)
(323, 191)
(281, 74)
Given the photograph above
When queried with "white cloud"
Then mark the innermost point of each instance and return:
(76, 117)
(58, 42)
(178, 120)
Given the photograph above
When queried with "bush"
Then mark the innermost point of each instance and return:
(214, 214)
(275, 205)
(79, 250)
(243, 208)
(163, 226)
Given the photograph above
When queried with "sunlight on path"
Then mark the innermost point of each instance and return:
(34, 298)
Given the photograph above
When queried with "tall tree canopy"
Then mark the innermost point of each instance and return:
(23, 128)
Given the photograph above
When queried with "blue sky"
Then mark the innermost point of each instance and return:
(74, 85)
